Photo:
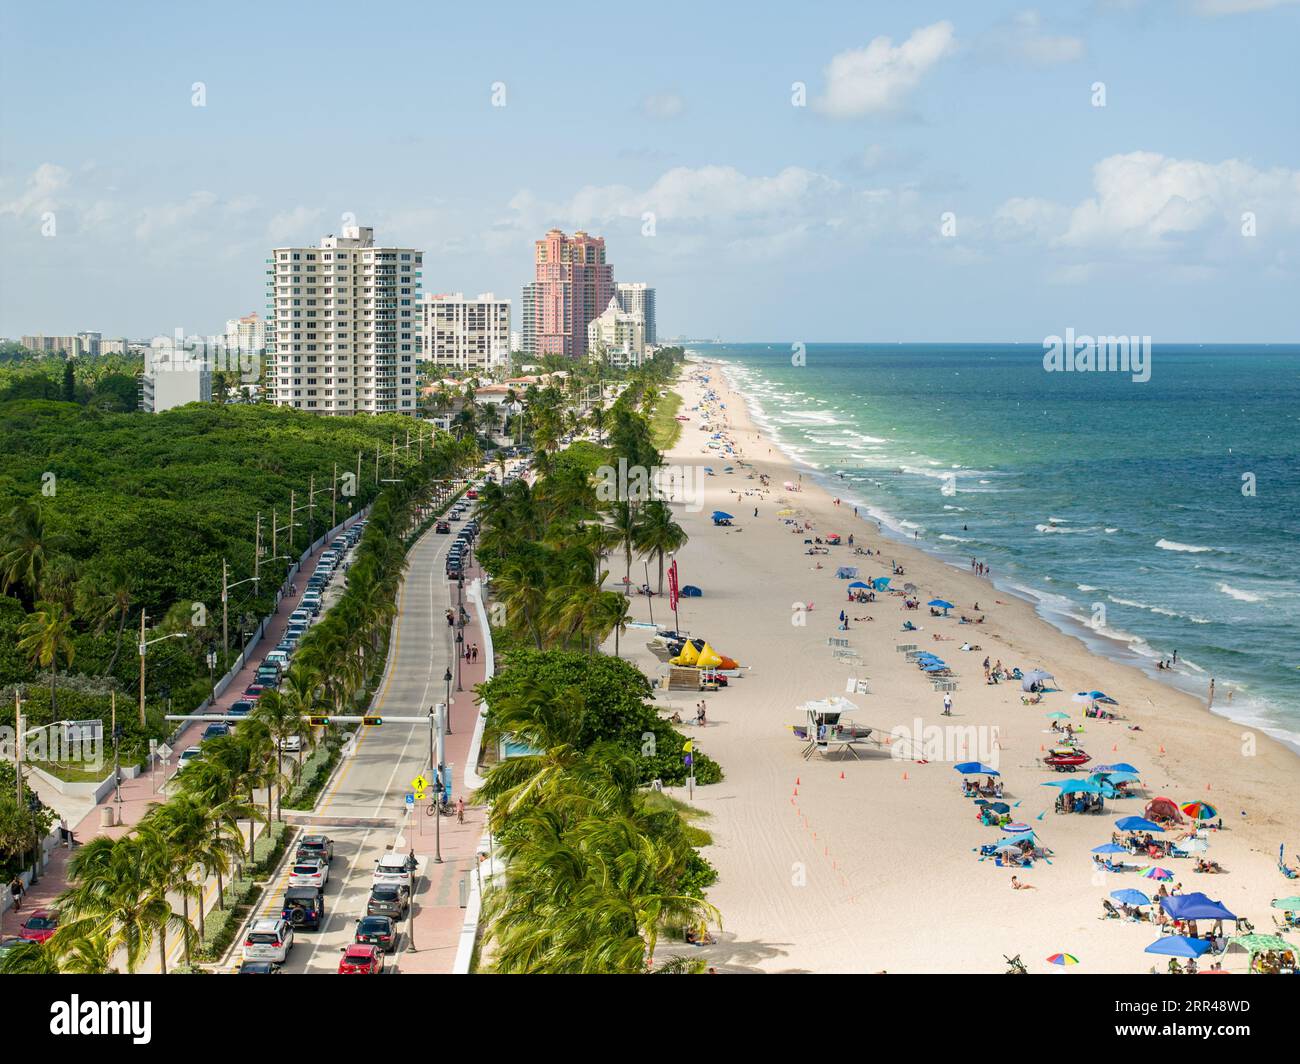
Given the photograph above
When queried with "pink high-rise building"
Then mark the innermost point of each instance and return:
(574, 284)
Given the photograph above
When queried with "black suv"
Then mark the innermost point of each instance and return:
(304, 908)
(387, 900)
(315, 846)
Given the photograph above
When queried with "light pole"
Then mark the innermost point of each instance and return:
(460, 641)
(446, 678)
(145, 644)
(225, 600)
(212, 672)
(435, 765)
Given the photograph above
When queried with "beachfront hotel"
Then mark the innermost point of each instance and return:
(637, 297)
(343, 332)
(466, 334)
(573, 284)
(617, 336)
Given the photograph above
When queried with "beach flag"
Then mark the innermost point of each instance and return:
(672, 586)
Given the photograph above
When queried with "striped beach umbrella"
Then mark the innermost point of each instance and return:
(1063, 959)
(1200, 810)
(1156, 872)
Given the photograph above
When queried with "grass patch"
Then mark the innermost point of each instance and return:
(221, 925)
(73, 771)
(311, 780)
(665, 429)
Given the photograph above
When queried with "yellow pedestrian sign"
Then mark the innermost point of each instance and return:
(419, 783)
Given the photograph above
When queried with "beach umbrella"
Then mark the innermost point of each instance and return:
(1200, 810)
(1109, 847)
(937, 667)
(722, 515)
(1063, 959)
(1115, 777)
(1017, 829)
(1290, 904)
(1122, 766)
(974, 768)
(858, 584)
(1058, 715)
(1179, 946)
(1137, 823)
(943, 604)
(1194, 846)
(1253, 944)
(1129, 896)
(909, 586)
(1155, 872)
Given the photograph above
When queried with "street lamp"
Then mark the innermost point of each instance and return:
(446, 678)
(436, 716)
(144, 645)
(460, 642)
(211, 657)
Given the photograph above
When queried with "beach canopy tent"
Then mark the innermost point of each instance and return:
(1195, 906)
(1075, 786)
(1137, 823)
(1121, 766)
(691, 591)
(1035, 676)
(974, 768)
(1290, 904)
(881, 583)
(942, 604)
(859, 585)
(722, 515)
(1129, 896)
(1253, 944)
(1114, 777)
(1179, 946)
(1109, 847)
(846, 572)
(1164, 809)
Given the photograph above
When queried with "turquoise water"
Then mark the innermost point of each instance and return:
(1077, 489)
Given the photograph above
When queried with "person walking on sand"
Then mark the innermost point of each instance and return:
(947, 704)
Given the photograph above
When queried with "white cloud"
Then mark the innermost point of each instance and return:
(663, 105)
(1024, 38)
(1218, 8)
(39, 194)
(297, 224)
(879, 78)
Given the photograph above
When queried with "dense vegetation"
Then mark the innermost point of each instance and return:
(598, 867)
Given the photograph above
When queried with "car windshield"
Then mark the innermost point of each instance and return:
(41, 923)
(373, 925)
(264, 938)
(306, 870)
(384, 894)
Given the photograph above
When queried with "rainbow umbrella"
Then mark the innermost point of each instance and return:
(1155, 872)
(1200, 810)
(1063, 959)
(1016, 829)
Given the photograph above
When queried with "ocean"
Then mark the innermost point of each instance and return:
(1168, 509)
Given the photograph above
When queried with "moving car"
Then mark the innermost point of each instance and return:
(187, 755)
(387, 900)
(269, 940)
(257, 968)
(309, 872)
(40, 926)
(291, 744)
(391, 870)
(315, 846)
(442, 528)
(377, 931)
(361, 960)
(304, 907)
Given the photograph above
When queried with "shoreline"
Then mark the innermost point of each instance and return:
(1118, 648)
(837, 864)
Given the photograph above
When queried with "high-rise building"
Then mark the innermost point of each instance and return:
(173, 377)
(72, 346)
(528, 319)
(247, 334)
(617, 336)
(639, 298)
(345, 335)
(574, 284)
(466, 334)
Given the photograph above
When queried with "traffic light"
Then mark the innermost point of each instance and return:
(372, 722)
(319, 722)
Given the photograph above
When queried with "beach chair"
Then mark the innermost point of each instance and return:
(1109, 912)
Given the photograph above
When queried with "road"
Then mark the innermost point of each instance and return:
(363, 809)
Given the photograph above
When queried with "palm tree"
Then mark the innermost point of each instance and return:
(659, 534)
(613, 614)
(224, 808)
(47, 634)
(106, 596)
(623, 521)
(26, 549)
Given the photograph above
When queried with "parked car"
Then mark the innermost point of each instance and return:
(242, 708)
(187, 755)
(257, 968)
(300, 616)
(471, 494)
(316, 845)
(377, 931)
(7, 944)
(309, 872)
(277, 657)
(215, 730)
(304, 908)
(361, 960)
(40, 926)
(269, 676)
(387, 900)
(269, 940)
(254, 691)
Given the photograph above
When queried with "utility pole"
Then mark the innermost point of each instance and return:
(376, 463)
(142, 650)
(257, 547)
(20, 743)
(334, 498)
(225, 598)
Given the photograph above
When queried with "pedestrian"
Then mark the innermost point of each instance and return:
(947, 704)
(755, 511)
(474, 653)
(16, 892)
(460, 810)
(451, 618)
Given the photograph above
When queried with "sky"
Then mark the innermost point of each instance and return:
(819, 171)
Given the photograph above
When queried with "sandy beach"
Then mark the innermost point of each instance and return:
(840, 865)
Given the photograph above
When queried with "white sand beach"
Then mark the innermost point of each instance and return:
(840, 865)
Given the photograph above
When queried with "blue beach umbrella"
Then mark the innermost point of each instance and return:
(1120, 766)
(1109, 847)
(974, 768)
(1179, 946)
(1129, 896)
(722, 515)
(942, 604)
(1137, 823)
(1115, 777)
(859, 584)
(1076, 787)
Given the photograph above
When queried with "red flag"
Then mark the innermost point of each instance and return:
(672, 586)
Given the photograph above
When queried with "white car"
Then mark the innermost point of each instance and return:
(309, 872)
(187, 755)
(391, 871)
(269, 940)
(291, 744)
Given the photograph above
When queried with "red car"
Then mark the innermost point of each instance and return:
(471, 494)
(254, 691)
(362, 960)
(40, 926)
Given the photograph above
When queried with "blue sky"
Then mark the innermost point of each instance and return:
(770, 221)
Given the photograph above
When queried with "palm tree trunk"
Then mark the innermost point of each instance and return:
(117, 645)
(185, 911)
(162, 948)
(661, 570)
